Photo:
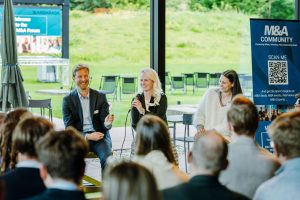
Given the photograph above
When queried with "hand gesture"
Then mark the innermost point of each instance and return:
(138, 105)
(200, 133)
(95, 136)
(109, 119)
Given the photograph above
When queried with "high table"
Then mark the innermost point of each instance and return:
(174, 119)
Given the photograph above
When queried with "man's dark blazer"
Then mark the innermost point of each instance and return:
(22, 183)
(201, 187)
(159, 110)
(72, 110)
(57, 194)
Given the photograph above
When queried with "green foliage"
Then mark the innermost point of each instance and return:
(89, 5)
(274, 9)
(130, 3)
(177, 4)
(119, 43)
(278, 9)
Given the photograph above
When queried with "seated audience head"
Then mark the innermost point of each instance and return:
(152, 134)
(26, 134)
(62, 155)
(128, 180)
(150, 75)
(6, 132)
(209, 154)
(17, 115)
(233, 78)
(2, 117)
(285, 134)
(243, 116)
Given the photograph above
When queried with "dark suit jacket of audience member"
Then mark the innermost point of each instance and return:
(159, 110)
(201, 187)
(22, 183)
(73, 115)
(57, 194)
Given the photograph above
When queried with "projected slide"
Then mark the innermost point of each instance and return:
(38, 29)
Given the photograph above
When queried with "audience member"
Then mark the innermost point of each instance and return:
(207, 159)
(6, 144)
(62, 156)
(25, 181)
(285, 135)
(261, 114)
(129, 181)
(154, 151)
(2, 117)
(150, 100)
(267, 116)
(1, 190)
(6, 131)
(87, 111)
(17, 115)
(212, 109)
(249, 164)
(274, 114)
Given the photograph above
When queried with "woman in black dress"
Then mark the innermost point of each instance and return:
(150, 99)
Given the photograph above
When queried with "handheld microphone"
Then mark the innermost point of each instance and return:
(138, 97)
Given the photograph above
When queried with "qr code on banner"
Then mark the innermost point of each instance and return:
(278, 72)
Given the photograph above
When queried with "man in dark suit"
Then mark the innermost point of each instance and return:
(87, 111)
(62, 156)
(207, 160)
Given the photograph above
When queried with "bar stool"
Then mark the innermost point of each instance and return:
(187, 120)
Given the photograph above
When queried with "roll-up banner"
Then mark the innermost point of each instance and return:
(275, 46)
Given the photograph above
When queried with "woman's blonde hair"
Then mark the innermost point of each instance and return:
(157, 91)
(129, 181)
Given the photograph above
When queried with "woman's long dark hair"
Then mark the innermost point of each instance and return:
(153, 134)
(233, 78)
(6, 132)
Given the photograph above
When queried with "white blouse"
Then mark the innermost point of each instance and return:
(211, 114)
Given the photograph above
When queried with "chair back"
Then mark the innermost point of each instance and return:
(201, 80)
(187, 119)
(214, 79)
(42, 104)
(177, 82)
(129, 85)
(109, 84)
(189, 79)
(167, 78)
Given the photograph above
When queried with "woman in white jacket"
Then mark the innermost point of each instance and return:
(213, 107)
(154, 151)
